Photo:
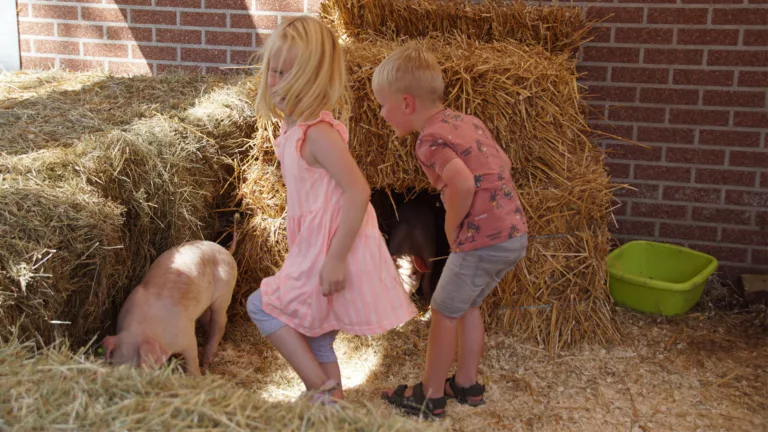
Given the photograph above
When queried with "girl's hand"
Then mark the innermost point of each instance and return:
(333, 276)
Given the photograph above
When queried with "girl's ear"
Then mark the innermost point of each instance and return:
(409, 104)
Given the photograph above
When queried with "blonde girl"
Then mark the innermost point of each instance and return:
(338, 274)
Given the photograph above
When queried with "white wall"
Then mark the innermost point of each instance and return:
(9, 36)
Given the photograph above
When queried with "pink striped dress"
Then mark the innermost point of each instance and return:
(374, 299)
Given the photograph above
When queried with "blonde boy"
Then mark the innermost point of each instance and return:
(484, 223)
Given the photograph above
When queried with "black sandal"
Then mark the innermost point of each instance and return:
(462, 394)
(417, 403)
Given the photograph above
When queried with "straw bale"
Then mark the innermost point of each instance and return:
(60, 255)
(226, 116)
(556, 28)
(167, 173)
(263, 242)
(557, 295)
(59, 388)
(164, 179)
(528, 98)
(53, 109)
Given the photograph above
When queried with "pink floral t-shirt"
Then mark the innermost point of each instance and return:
(495, 215)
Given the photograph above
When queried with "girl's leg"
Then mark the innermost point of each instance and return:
(322, 348)
(291, 344)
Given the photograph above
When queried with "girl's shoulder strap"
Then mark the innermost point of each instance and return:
(327, 117)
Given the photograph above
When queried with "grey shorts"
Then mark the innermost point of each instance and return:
(321, 346)
(468, 277)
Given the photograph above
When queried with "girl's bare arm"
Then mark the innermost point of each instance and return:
(325, 148)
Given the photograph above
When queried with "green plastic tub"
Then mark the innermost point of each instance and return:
(658, 278)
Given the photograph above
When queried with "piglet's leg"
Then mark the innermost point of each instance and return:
(426, 285)
(191, 360)
(217, 325)
(205, 320)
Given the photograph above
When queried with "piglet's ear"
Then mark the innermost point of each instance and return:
(151, 354)
(110, 344)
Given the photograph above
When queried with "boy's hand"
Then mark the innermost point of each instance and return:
(333, 276)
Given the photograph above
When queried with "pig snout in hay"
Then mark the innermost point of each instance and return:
(414, 236)
(189, 283)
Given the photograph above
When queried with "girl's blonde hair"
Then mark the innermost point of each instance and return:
(318, 80)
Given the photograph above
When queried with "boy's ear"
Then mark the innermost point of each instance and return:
(409, 104)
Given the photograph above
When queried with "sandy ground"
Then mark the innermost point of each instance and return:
(707, 371)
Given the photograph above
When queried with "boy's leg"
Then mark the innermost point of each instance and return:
(496, 262)
(291, 344)
(452, 298)
(441, 351)
(471, 342)
(322, 348)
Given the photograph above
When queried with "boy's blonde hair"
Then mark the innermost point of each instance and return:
(318, 80)
(413, 70)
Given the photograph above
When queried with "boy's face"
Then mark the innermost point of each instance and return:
(396, 110)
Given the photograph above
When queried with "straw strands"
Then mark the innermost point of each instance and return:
(527, 97)
(58, 388)
(530, 100)
(527, 94)
(55, 109)
(558, 28)
(60, 249)
(157, 180)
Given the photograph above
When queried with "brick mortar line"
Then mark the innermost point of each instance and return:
(693, 185)
(693, 223)
(127, 60)
(700, 47)
(683, 146)
(677, 86)
(120, 41)
(672, 66)
(633, 181)
(666, 183)
(698, 204)
(138, 25)
(166, 9)
(687, 223)
(702, 147)
(684, 26)
(683, 126)
(703, 242)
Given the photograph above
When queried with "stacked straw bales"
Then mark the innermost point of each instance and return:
(88, 205)
(514, 68)
(56, 387)
(556, 29)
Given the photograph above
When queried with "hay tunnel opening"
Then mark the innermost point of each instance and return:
(386, 203)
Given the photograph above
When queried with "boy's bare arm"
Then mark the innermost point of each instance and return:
(457, 195)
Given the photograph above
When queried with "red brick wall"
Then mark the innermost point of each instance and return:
(147, 36)
(687, 78)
